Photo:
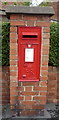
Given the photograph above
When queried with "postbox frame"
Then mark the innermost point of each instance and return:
(39, 57)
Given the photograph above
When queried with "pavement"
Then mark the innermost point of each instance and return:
(51, 112)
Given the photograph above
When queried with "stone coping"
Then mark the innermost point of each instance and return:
(2, 12)
(29, 10)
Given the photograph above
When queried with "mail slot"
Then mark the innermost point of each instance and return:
(29, 35)
(29, 51)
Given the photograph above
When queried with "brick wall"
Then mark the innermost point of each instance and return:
(53, 85)
(5, 85)
(58, 84)
(29, 94)
(55, 5)
(0, 86)
(52, 89)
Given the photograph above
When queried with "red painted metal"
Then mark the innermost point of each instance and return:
(29, 39)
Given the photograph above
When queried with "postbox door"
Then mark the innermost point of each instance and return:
(29, 62)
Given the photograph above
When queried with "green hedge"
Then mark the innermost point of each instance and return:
(5, 43)
(54, 44)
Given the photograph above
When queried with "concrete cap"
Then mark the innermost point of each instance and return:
(29, 10)
(2, 12)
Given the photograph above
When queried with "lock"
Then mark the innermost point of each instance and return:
(24, 76)
(29, 45)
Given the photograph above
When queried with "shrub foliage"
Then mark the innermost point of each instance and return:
(54, 44)
(5, 43)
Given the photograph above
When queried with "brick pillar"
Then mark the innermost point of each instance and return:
(29, 94)
(31, 91)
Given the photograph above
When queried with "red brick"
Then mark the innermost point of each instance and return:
(43, 24)
(43, 83)
(0, 68)
(46, 41)
(13, 78)
(20, 97)
(13, 46)
(28, 103)
(13, 68)
(45, 52)
(13, 97)
(43, 18)
(44, 68)
(57, 74)
(45, 57)
(53, 86)
(5, 97)
(28, 93)
(5, 93)
(44, 62)
(13, 88)
(15, 17)
(40, 88)
(52, 97)
(43, 102)
(43, 93)
(29, 17)
(13, 29)
(13, 92)
(12, 100)
(30, 83)
(55, 69)
(52, 89)
(13, 40)
(21, 88)
(13, 62)
(16, 23)
(13, 35)
(13, 57)
(13, 83)
(27, 97)
(52, 76)
(13, 51)
(46, 18)
(46, 35)
(45, 47)
(13, 73)
(44, 72)
(30, 23)
(38, 107)
(51, 81)
(40, 18)
(58, 80)
(46, 29)
(50, 68)
(51, 94)
(28, 88)
(1, 78)
(39, 98)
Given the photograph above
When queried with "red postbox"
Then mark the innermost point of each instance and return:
(29, 50)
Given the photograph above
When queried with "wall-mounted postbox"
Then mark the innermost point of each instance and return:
(29, 49)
